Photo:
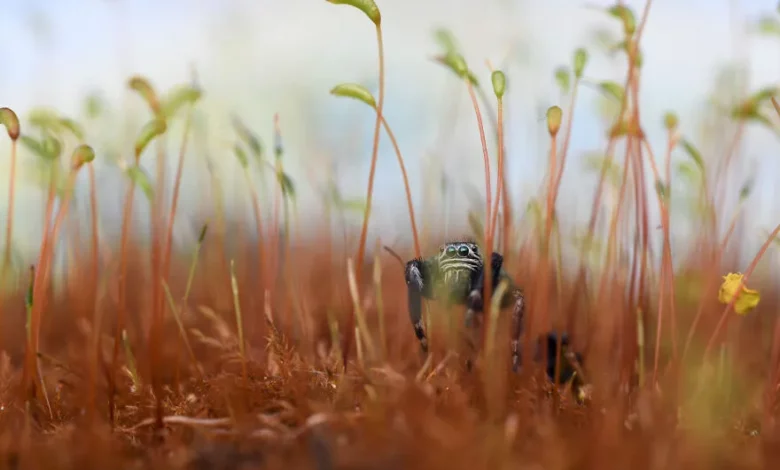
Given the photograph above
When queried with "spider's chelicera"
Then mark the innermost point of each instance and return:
(455, 275)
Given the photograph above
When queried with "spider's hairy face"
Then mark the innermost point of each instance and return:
(457, 263)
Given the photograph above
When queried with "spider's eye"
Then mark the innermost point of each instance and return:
(463, 250)
(451, 250)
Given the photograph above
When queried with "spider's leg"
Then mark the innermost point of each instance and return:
(569, 362)
(474, 306)
(555, 361)
(475, 301)
(415, 282)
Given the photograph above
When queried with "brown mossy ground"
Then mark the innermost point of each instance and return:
(297, 409)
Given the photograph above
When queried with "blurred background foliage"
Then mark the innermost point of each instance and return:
(254, 59)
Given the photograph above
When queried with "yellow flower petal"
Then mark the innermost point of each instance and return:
(747, 299)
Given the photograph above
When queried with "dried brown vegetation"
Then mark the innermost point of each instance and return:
(298, 409)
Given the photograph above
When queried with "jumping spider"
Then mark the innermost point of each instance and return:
(456, 276)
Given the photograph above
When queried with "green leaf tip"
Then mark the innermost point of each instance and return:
(29, 298)
(141, 179)
(243, 160)
(152, 129)
(202, 234)
(457, 64)
(94, 105)
(694, 153)
(278, 143)
(179, 97)
(626, 15)
(613, 89)
(499, 83)
(73, 127)
(48, 148)
(563, 78)
(662, 190)
(81, 155)
(49, 121)
(10, 120)
(446, 40)
(768, 25)
(354, 91)
(368, 7)
(144, 88)
(746, 189)
(580, 61)
(671, 121)
(249, 138)
(52, 147)
(554, 118)
(287, 185)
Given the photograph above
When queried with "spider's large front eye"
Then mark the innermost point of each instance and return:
(451, 250)
(463, 250)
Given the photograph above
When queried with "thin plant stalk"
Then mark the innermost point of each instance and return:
(497, 124)
(239, 322)
(131, 368)
(263, 262)
(609, 159)
(370, 191)
(410, 206)
(496, 382)
(558, 175)
(639, 269)
(166, 254)
(127, 218)
(500, 178)
(380, 306)
(722, 172)
(278, 195)
(488, 255)
(51, 198)
(40, 280)
(362, 326)
(93, 208)
(177, 310)
(180, 325)
(666, 276)
(549, 219)
(10, 219)
(566, 139)
(158, 311)
(612, 237)
(93, 291)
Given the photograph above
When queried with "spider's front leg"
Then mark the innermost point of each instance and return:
(475, 303)
(415, 274)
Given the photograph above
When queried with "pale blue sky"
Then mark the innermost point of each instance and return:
(259, 57)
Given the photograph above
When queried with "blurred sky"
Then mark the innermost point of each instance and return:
(260, 57)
